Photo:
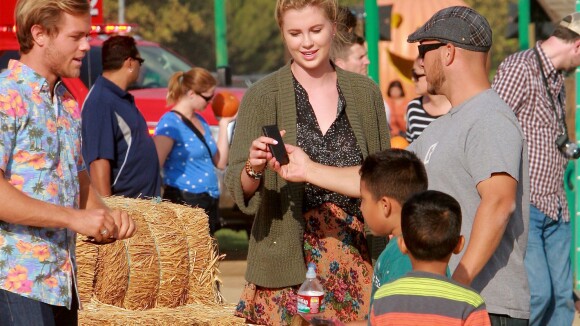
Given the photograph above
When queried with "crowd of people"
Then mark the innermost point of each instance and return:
(474, 208)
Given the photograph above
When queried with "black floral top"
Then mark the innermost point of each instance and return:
(338, 147)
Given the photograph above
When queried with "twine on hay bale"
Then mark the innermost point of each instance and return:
(203, 256)
(97, 313)
(86, 258)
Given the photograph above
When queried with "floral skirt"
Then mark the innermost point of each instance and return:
(335, 242)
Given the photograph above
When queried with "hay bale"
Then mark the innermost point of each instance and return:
(86, 258)
(97, 313)
(111, 273)
(142, 281)
(172, 250)
(203, 257)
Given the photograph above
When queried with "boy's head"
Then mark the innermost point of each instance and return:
(431, 226)
(388, 179)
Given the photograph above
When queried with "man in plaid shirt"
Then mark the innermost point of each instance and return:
(532, 84)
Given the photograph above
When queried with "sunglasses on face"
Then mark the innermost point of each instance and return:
(140, 60)
(415, 76)
(424, 48)
(206, 98)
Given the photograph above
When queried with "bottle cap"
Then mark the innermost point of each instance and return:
(311, 273)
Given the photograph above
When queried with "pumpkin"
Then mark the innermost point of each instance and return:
(225, 104)
(399, 142)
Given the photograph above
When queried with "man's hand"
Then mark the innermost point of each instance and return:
(97, 224)
(297, 169)
(124, 223)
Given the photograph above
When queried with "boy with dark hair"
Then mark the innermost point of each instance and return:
(431, 226)
(388, 179)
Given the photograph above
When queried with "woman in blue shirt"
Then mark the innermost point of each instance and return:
(189, 158)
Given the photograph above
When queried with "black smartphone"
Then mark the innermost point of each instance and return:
(278, 150)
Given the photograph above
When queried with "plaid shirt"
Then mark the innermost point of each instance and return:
(519, 82)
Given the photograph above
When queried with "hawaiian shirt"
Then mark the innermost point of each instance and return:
(40, 154)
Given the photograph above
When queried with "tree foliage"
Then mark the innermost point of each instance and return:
(254, 41)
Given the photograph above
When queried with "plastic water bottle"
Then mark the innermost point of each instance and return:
(311, 294)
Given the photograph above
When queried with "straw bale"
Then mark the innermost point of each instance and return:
(86, 258)
(97, 313)
(203, 257)
(111, 273)
(172, 250)
(142, 283)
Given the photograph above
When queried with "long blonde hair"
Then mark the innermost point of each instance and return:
(197, 79)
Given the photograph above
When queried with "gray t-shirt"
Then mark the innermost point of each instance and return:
(464, 147)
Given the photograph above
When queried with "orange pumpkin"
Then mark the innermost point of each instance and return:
(399, 142)
(225, 104)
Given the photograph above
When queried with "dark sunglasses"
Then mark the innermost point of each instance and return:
(140, 60)
(415, 76)
(424, 48)
(206, 98)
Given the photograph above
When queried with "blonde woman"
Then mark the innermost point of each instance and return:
(189, 158)
(338, 118)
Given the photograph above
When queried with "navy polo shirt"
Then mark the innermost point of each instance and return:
(114, 129)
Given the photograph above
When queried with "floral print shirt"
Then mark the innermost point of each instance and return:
(40, 154)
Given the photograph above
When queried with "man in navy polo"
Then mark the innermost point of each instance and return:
(116, 144)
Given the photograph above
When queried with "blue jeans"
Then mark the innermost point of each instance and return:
(16, 310)
(549, 272)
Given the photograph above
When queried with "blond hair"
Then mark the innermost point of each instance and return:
(46, 13)
(197, 79)
(330, 8)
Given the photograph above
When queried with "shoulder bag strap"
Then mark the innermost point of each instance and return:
(190, 125)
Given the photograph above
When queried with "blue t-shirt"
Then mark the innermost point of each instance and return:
(114, 129)
(188, 166)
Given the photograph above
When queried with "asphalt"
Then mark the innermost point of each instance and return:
(232, 277)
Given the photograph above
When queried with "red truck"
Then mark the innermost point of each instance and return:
(151, 88)
(149, 91)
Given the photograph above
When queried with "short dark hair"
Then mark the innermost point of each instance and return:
(116, 50)
(393, 84)
(565, 34)
(394, 173)
(431, 225)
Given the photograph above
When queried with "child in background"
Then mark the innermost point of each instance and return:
(388, 179)
(431, 226)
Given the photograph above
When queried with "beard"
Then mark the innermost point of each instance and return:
(58, 64)
(435, 83)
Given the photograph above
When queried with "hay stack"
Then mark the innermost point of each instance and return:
(166, 274)
(96, 313)
(203, 258)
(86, 264)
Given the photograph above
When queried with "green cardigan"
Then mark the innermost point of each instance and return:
(275, 255)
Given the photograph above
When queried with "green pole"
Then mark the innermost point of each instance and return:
(221, 46)
(372, 37)
(524, 23)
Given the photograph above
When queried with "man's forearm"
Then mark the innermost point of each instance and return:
(343, 180)
(101, 177)
(18, 208)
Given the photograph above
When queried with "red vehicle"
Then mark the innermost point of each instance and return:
(150, 89)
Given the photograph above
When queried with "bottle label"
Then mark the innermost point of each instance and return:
(310, 304)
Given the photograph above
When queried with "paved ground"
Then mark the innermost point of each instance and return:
(232, 276)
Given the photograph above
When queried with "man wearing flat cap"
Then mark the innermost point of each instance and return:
(532, 84)
(477, 153)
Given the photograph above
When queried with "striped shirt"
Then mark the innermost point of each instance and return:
(421, 298)
(519, 83)
(417, 119)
